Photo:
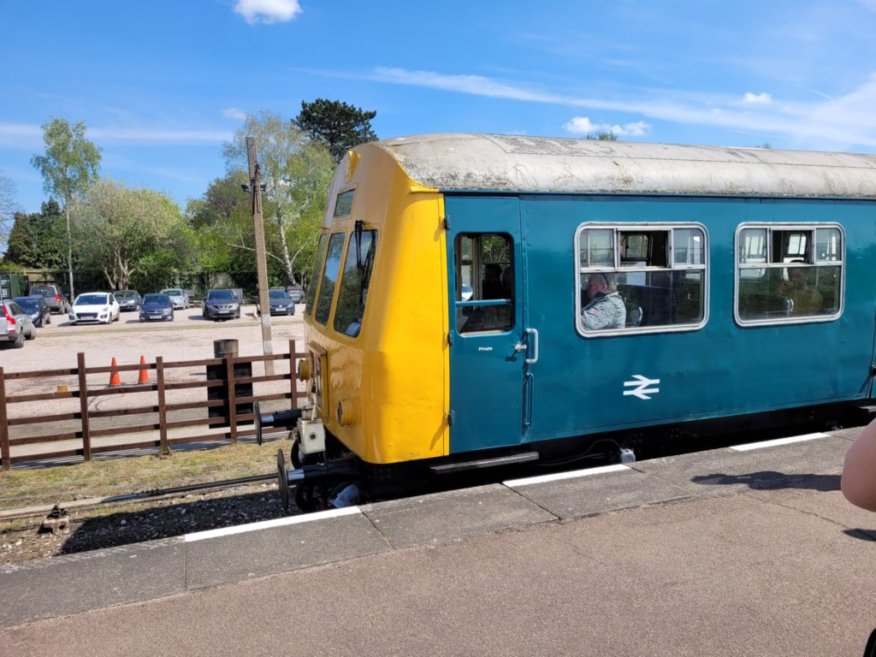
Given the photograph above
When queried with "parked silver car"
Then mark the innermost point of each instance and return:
(16, 325)
(53, 295)
(178, 297)
(128, 299)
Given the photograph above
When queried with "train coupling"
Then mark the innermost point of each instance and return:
(308, 475)
(284, 419)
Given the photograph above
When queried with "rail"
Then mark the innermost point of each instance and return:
(229, 399)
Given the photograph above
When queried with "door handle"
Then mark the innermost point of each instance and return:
(534, 333)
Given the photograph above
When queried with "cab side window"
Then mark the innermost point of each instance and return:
(354, 282)
(318, 259)
(329, 277)
(484, 282)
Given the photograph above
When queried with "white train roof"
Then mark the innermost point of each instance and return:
(508, 163)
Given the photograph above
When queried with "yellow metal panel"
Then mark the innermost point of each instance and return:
(393, 379)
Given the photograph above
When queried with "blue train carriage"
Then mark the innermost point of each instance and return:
(481, 299)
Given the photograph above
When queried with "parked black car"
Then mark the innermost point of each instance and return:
(221, 304)
(37, 308)
(280, 302)
(58, 303)
(157, 307)
(128, 299)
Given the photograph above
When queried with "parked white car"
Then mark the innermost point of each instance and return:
(99, 307)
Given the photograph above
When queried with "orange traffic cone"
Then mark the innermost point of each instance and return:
(114, 374)
(144, 372)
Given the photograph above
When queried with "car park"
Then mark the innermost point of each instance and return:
(16, 325)
(128, 300)
(37, 308)
(100, 307)
(221, 304)
(156, 307)
(178, 297)
(53, 295)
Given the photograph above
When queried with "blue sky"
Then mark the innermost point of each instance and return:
(161, 84)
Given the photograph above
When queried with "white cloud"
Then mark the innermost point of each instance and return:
(150, 135)
(21, 136)
(869, 4)
(582, 125)
(267, 11)
(30, 136)
(477, 85)
(757, 99)
(234, 113)
(838, 123)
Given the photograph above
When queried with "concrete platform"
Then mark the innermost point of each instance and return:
(727, 552)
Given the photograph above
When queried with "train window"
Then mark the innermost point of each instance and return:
(484, 282)
(788, 273)
(354, 282)
(317, 267)
(344, 203)
(641, 278)
(329, 277)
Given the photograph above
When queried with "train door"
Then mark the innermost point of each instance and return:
(488, 346)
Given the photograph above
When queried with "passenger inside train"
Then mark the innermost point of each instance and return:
(606, 309)
(805, 300)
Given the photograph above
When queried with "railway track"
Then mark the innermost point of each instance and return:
(85, 505)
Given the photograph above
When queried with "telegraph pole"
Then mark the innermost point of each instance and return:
(258, 222)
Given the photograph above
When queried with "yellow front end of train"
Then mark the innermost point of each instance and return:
(376, 322)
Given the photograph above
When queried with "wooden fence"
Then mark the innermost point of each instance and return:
(228, 380)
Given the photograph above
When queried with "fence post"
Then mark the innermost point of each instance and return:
(5, 455)
(293, 375)
(232, 396)
(164, 448)
(83, 406)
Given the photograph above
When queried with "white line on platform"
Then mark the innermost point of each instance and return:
(512, 483)
(268, 524)
(778, 441)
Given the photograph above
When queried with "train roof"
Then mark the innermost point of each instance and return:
(509, 163)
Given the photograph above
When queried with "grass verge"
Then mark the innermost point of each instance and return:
(105, 477)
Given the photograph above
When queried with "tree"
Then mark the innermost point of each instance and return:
(118, 229)
(37, 239)
(296, 172)
(336, 124)
(602, 135)
(69, 166)
(222, 225)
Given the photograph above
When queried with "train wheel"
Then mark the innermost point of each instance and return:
(308, 498)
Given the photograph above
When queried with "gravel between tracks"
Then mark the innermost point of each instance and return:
(92, 529)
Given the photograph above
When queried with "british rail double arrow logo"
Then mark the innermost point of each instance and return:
(642, 387)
